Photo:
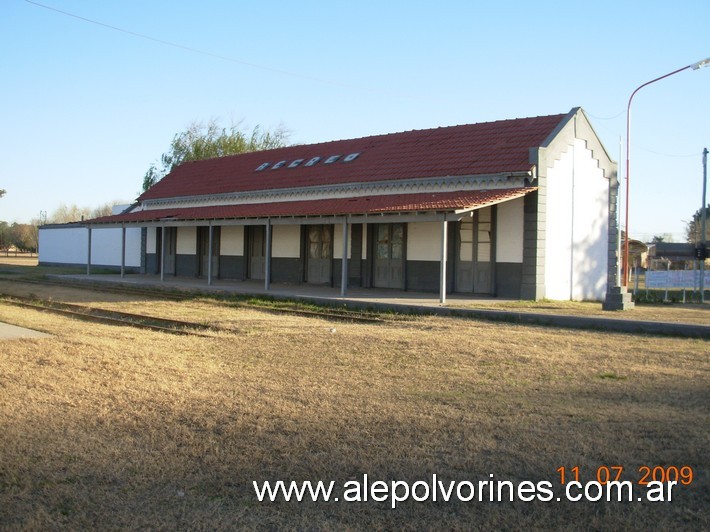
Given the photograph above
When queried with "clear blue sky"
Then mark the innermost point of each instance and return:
(85, 109)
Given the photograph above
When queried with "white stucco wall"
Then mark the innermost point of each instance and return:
(509, 231)
(424, 241)
(232, 241)
(286, 241)
(186, 241)
(70, 244)
(151, 240)
(576, 227)
(63, 245)
(106, 247)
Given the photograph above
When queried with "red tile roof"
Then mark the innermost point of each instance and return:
(444, 201)
(476, 149)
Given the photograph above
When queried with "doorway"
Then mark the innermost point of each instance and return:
(203, 243)
(389, 256)
(170, 236)
(256, 256)
(319, 259)
(474, 265)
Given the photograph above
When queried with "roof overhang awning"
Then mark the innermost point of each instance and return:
(451, 206)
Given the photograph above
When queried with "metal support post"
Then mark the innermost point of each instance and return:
(88, 255)
(442, 272)
(209, 256)
(344, 272)
(267, 252)
(123, 250)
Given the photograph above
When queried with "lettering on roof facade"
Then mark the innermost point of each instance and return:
(311, 162)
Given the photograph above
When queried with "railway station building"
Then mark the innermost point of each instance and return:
(522, 208)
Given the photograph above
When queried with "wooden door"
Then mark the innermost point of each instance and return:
(389, 256)
(170, 250)
(474, 266)
(464, 256)
(203, 243)
(483, 266)
(257, 252)
(320, 254)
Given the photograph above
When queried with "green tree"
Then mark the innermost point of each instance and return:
(2, 192)
(23, 237)
(665, 237)
(693, 227)
(5, 239)
(205, 141)
(152, 176)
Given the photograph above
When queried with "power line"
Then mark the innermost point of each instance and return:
(202, 52)
(662, 154)
(605, 117)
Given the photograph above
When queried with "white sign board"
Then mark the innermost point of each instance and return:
(676, 279)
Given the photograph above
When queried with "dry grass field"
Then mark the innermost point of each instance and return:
(15, 268)
(117, 428)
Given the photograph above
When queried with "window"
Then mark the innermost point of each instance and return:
(319, 241)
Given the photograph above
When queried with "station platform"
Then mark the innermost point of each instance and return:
(384, 300)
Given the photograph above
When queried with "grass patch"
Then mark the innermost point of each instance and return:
(610, 375)
(28, 268)
(107, 425)
(680, 313)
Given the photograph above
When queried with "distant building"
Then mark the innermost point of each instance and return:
(672, 255)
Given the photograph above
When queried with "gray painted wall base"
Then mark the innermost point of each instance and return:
(151, 263)
(508, 279)
(186, 265)
(232, 267)
(421, 276)
(104, 267)
(286, 270)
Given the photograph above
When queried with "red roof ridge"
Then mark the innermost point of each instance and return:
(484, 148)
(384, 135)
(423, 130)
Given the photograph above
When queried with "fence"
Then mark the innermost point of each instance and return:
(689, 279)
(668, 285)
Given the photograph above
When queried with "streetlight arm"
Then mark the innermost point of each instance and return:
(660, 78)
(693, 66)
